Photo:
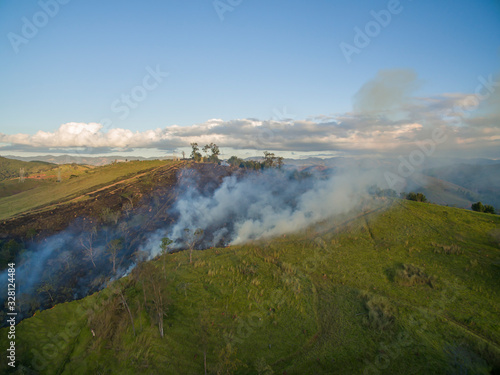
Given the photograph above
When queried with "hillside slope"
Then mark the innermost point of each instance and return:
(408, 288)
(9, 168)
(484, 180)
(79, 184)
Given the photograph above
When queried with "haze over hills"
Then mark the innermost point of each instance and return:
(447, 181)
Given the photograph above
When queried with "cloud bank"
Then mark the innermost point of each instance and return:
(387, 118)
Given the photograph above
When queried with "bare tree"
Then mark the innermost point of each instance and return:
(65, 256)
(119, 291)
(158, 303)
(87, 242)
(113, 249)
(165, 243)
(127, 207)
(109, 216)
(123, 228)
(151, 281)
(47, 288)
(192, 239)
(204, 334)
(130, 197)
(140, 256)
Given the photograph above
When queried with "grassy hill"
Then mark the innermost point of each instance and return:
(76, 181)
(483, 180)
(9, 168)
(442, 192)
(408, 288)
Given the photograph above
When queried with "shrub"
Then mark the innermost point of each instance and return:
(410, 275)
(489, 209)
(417, 197)
(478, 206)
(381, 314)
(262, 367)
(376, 191)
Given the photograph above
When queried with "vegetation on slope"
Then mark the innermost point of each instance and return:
(367, 295)
(10, 168)
(80, 181)
(482, 180)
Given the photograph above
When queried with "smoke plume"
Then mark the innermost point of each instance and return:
(260, 205)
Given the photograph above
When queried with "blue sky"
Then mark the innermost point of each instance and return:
(264, 60)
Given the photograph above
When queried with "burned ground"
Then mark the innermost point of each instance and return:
(64, 247)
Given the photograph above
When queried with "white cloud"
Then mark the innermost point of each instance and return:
(351, 132)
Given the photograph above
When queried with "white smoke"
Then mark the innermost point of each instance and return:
(262, 205)
(241, 208)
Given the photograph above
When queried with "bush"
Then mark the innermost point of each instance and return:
(411, 275)
(489, 209)
(376, 191)
(417, 197)
(381, 314)
(478, 206)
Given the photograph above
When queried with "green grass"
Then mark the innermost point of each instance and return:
(84, 180)
(47, 176)
(10, 168)
(324, 301)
